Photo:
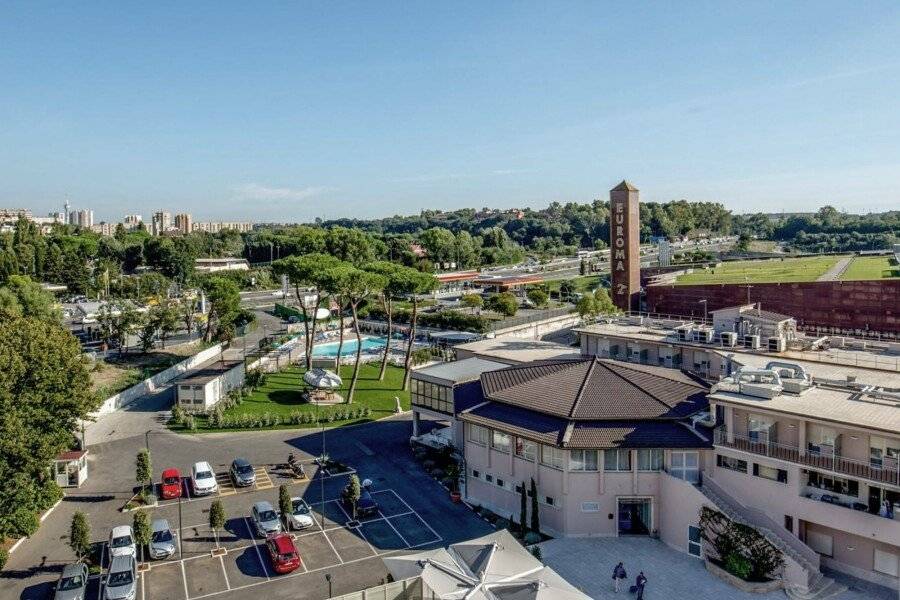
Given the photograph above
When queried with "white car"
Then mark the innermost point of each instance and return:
(300, 516)
(203, 479)
(121, 541)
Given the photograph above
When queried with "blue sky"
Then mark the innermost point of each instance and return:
(289, 111)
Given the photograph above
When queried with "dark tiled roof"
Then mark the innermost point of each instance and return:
(518, 421)
(593, 388)
(637, 434)
(624, 187)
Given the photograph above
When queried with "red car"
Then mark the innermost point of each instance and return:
(283, 553)
(170, 487)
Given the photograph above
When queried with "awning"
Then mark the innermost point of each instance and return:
(322, 379)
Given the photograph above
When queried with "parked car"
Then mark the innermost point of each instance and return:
(265, 519)
(283, 552)
(72, 584)
(300, 516)
(366, 504)
(121, 541)
(162, 540)
(242, 473)
(170, 485)
(121, 580)
(203, 479)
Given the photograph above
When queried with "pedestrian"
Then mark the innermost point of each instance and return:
(640, 582)
(618, 575)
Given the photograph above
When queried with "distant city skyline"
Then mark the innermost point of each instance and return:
(287, 113)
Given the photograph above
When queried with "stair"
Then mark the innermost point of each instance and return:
(819, 587)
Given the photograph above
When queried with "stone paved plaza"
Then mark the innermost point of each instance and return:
(587, 563)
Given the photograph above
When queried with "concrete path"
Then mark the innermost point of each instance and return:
(587, 563)
(835, 272)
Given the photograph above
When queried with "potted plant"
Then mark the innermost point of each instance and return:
(453, 481)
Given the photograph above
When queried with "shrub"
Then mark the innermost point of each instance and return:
(536, 552)
(80, 535)
(4, 556)
(532, 538)
(190, 422)
(177, 415)
(738, 566)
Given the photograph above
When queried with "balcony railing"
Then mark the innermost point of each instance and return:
(833, 462)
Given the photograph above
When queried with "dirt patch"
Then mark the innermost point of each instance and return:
(117, 373)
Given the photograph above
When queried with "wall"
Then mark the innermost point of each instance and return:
(679, 507)
(854, 554)
(538, 329)
(152, 384)
(852, 305)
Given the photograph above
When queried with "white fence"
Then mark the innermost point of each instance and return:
(406, 589)
(152, 384)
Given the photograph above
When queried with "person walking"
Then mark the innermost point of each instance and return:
(640, 582)
(618, 575)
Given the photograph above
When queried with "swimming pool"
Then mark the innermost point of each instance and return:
(330, 349)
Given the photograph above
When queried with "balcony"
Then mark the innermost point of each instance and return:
(833, 462)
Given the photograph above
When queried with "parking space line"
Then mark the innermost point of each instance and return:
(362, 534)
(263, 481)
(184, 581)
(224, 572)
(258, 553)
(336, 553)
(430, 528)
(391, 525)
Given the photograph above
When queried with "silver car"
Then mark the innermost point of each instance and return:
(265, 519)
(242, 473)
(162, 541)
(121, 579)
(72, 584)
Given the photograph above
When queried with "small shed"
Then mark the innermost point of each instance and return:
(70, 468)
(201, 389)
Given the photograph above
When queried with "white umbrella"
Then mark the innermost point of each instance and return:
(322, 379)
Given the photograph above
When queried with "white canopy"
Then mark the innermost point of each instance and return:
(322, 314)
(322, 379)
(493, 567)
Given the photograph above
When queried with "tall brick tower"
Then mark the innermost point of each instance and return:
(624, 244)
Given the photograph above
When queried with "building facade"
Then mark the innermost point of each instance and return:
(183, 223)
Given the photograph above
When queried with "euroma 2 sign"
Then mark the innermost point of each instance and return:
(625, 260)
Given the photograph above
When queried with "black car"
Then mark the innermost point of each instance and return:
(242, 473)
(364, 507)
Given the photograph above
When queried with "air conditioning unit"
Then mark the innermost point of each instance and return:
(777, 344)
(728, 339)
(684, 333)
(703, 335)
(751, 341)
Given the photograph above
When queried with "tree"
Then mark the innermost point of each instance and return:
(350, 245)
(224, 300)
(142, 530)
(743, 243)
(523, 510)
(352, 493)
(143, 468)
(117, 321)
(412, 283)
(538, 297)
(80, 536)
(603, 304)
(586, 306)
(284, 502)
(146, 333)
(535, 517)
(216, 519)
(392, 274)
(21, 297)
(473, 301)
(504, 303)
(45, 389)
(187, 309)
(307, 271)
(164, 317)
(357, 286)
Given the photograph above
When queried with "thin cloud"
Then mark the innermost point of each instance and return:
(429, 178)
(259, 192)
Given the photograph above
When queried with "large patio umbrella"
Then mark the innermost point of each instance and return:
(322, 379)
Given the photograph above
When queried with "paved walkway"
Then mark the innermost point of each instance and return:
(835, 272)
(587, 563)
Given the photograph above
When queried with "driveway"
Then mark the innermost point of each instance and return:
(587, 563)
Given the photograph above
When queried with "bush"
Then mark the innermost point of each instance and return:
(4, 556)
(451, 319)
(504, 303)
(532, 538)
(738, 566)
(177, 415)
(536, 552)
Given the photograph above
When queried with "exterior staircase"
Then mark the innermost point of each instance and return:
(816, 585)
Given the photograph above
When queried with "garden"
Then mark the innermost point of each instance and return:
(277, 401)
(739, 549)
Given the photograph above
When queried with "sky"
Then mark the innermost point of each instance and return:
(290, 111)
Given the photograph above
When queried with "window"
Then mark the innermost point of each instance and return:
(695, 547)
(820, 542)
(500, 441)
(731, 463)
(685, 465)
(477, 434)
(650, 459)
(884, 452)
(476, 473)
(432, 396)
(761, 429)
(821, 439)
(583, 460)
(519, 488)
(526, 449)
(779, 475)
(590, 507)
(489, 478)
(548, 500)
(500, 483)
(886, 562)
(617, 460)
(833, 483)
(551, 456)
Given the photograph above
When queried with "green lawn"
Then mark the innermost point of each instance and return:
(282, 395)
(870, 267)
(581, 284)
(763, 271)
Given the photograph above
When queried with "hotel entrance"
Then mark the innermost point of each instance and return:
(635, 516)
